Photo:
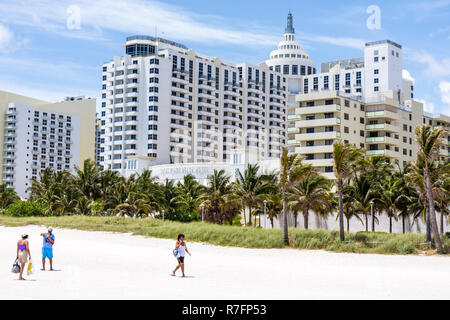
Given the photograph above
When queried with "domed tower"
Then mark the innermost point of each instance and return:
(292, 61)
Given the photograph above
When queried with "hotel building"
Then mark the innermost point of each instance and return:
(364, 101)
(163, 103)
(39, 135)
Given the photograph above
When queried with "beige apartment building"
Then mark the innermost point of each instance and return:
(37, 135)
(440, 121)
(381, 126)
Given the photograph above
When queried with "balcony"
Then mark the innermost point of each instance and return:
(381, 127)
(318, 136)
(318, 122)
(382, 114)
(315, 149)
(318, 109)
(376, 140)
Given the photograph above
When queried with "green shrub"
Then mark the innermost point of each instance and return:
(26, 208)
(361, 237)
(447, 235)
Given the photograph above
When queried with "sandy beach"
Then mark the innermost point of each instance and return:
(101, 265)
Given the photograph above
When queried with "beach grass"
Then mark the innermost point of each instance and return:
(234, 236)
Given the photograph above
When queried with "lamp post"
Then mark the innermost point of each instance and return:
(265, 213)
(371, 214)
(203, 212)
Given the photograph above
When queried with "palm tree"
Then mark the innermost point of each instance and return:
(361, 194)
(248, 186)
(429, 142)
(405, 196)
(189, 196)
(292, 170)
(216, 195)
(7, 196)
(310, 193)
(386, 197)
(88, 179)
(274, 205)
(346, 158)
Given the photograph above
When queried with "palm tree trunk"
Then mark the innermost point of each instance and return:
(367, 222)
(306, 218)
(285, 221)
(348, 224)
(373, 220)
(295, 214)
(403, 224)
(341, 212)
(390, 224)
(442, 223)
(434, 226)
(250, 215)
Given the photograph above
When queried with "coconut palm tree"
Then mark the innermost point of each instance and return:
(387, 193)
(188, 197)
(360, 192)
(250, 185)
(292, 169)
(274, 205)
(310, 193)
(346, 159)
(88, 179)
(429, 142)
(216, 195)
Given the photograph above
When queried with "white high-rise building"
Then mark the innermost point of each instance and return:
(163, 103)
(293, 62)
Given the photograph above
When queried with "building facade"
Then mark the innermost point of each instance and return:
(163, 103)
(39, 135)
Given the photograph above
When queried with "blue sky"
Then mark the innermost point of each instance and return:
(42, 57)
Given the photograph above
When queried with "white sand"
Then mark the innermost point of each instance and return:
(100, 265)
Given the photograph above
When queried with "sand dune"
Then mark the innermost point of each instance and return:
(100, 265)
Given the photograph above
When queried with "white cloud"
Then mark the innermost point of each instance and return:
(407, 76)
(5, 37)
(353, 43)
(433, 67)
(444, 88)
(427, 106)
(142, 17)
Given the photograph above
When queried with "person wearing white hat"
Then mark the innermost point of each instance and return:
(47, 248)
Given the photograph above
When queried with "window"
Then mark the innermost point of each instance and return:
(376, 80)
(286, 69)
(346, 130)
(376, 71)
(295, 70)
(336, 82)
(375, 59)
(376, 89)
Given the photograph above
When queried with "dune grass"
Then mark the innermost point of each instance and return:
(362, 242)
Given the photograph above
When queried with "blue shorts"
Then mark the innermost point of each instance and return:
(47, 253)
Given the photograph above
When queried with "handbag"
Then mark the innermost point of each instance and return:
(16, 267)
(175, 252)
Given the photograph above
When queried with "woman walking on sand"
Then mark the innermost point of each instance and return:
(23, 253)
(181, 249)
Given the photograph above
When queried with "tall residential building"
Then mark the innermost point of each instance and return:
(440, 121)
(368, 102)
(163, 103)
(39, 135)
(293, 62)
